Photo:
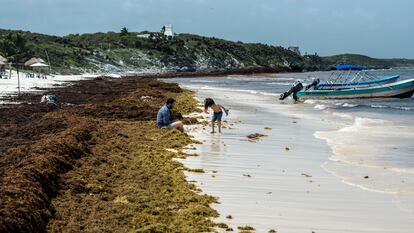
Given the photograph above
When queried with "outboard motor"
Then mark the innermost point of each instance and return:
(314, 84)
(296, 87)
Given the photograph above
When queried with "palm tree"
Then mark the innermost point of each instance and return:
(14, 46)
(124, 31)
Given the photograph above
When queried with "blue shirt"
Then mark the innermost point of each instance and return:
(164, 117)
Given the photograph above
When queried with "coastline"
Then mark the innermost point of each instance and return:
(265, 186)
(99, 162)
(215, 158)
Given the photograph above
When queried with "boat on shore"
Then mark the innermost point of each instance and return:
(359, 84)
(352, 76)
(400, 89)
(355, 84)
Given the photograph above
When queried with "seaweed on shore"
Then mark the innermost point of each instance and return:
(98, 163)
(30, 175)
(142, 188)
(255, 137)
(245, 229)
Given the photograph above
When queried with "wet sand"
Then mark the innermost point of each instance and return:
(278, 182)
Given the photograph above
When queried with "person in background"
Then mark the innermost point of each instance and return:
(217, 113)
(165, 117)
(50, 101)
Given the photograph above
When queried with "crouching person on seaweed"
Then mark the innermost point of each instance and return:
(165, 117)
(50, 101)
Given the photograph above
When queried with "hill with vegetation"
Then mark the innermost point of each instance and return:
(373, 63)
(151, 52)
(144, 51)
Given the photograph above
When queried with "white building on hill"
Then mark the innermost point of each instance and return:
(167, 30)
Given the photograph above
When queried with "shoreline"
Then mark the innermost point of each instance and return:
(289, 180)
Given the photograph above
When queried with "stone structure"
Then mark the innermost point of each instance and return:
(294, 49)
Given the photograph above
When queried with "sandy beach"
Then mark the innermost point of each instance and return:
(107, 108)
(283, 180)
(10, 87)
(296, 178)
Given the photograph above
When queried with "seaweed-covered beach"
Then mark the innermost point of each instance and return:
(98, 163)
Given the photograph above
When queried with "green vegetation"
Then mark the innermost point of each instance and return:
(124, 31)
(127, 50)
(14, 46)
(150, 51)
(372, 63)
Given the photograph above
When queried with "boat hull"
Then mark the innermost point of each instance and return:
(401, 89)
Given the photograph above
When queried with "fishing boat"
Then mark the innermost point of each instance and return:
(352, 76)
(359, 84)
(355, 84)
(400, 89)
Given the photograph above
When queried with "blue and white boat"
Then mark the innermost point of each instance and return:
(357, 85)
(400, 89)
(352, 76)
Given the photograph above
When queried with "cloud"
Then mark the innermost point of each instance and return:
(318, 25)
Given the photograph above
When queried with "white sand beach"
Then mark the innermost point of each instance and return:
(283, 181)
(10, 85)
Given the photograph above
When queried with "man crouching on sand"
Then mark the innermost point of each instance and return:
(165, 117)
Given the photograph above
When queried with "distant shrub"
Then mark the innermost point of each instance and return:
(124, 31)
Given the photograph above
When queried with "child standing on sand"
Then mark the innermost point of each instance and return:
(217, 112)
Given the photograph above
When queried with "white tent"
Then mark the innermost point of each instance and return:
(38, 67)
(38, 64)
(34, 60)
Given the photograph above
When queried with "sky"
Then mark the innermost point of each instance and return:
(377, 28)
